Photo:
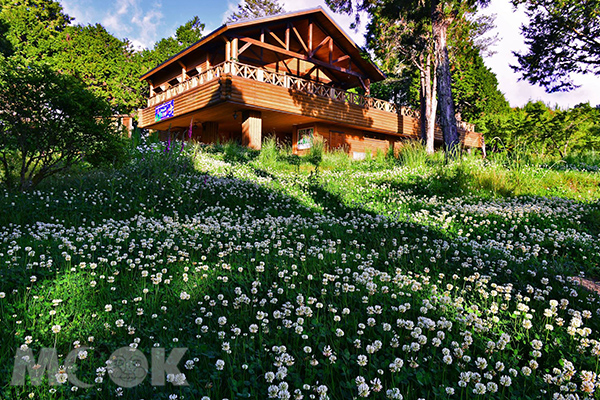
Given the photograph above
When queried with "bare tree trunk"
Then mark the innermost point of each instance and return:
(423, 100)
(428, 104)
(440, 23)
(431, 104)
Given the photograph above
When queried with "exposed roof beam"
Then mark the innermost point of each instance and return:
(312, 53)
(340, 59)
(310, 71)
(276, 38)
(299, 38)
(315, 61)
(244, 48)
(284, 63)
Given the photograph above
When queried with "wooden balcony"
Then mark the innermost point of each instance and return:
(262, 89)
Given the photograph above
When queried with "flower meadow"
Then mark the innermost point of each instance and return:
(379, 281)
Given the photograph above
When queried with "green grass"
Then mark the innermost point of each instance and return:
(315, 277)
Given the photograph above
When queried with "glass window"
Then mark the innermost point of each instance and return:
(305, 138)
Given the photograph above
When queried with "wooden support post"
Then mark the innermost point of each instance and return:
(151, 89)
(252, 129)
(234, 49)
(262, 39)
(287, 37)
(310, 36)
(227, 50)
(210, 132)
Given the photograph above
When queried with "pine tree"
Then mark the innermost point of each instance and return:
(249, 9)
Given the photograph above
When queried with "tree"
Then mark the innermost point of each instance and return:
(543, 129)
(441, 14)
(6, 49)
(48, 122)
(186, 35)
(249, 9)
(474, 86)
(107, 65)
(30, 26)
(563, 37)
(404, 45)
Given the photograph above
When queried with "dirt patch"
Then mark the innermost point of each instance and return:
(589, 284)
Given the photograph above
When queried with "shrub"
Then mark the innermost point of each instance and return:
(48, 123)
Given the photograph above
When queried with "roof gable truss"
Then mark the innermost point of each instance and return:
(303, 39)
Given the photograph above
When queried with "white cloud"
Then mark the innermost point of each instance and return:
(232, 7)
(135, 20)
(81, 11)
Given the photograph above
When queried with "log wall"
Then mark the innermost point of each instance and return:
(381, 128)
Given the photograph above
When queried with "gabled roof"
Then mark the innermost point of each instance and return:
(318, 15)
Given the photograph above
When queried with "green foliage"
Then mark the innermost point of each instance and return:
(562, 39)
(30, 27)
(543, 130)
(400, 89)
(49, 122)
(269, 153)
(185, 35)
(413, 154)
(411, 278)
(314, 155)
(107, 65)
(474, 86)
(249, 9)
(6, 48)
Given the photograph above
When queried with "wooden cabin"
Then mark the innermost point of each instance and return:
(288, 76)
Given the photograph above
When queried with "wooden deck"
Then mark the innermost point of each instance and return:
(264, 90)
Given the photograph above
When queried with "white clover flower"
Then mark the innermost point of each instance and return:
(481, 363)
(394, 394)
(479, 388)
(269, 376)
(220, 364)
(273, 390)
(363, 390)
(505, 380)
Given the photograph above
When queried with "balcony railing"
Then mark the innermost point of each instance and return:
(289, 82)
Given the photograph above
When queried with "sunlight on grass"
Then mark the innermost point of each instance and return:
(309, 277)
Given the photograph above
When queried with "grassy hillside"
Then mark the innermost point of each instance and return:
(387, 278)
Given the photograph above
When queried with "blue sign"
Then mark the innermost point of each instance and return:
(164, 111)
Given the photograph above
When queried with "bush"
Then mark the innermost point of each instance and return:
(48, 123)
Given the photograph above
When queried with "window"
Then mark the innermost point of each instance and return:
(305, 138)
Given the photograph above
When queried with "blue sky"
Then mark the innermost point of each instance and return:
(145, 21)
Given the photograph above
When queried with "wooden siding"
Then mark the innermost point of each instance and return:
(258, 95)
(264, 95)
(201, 96)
